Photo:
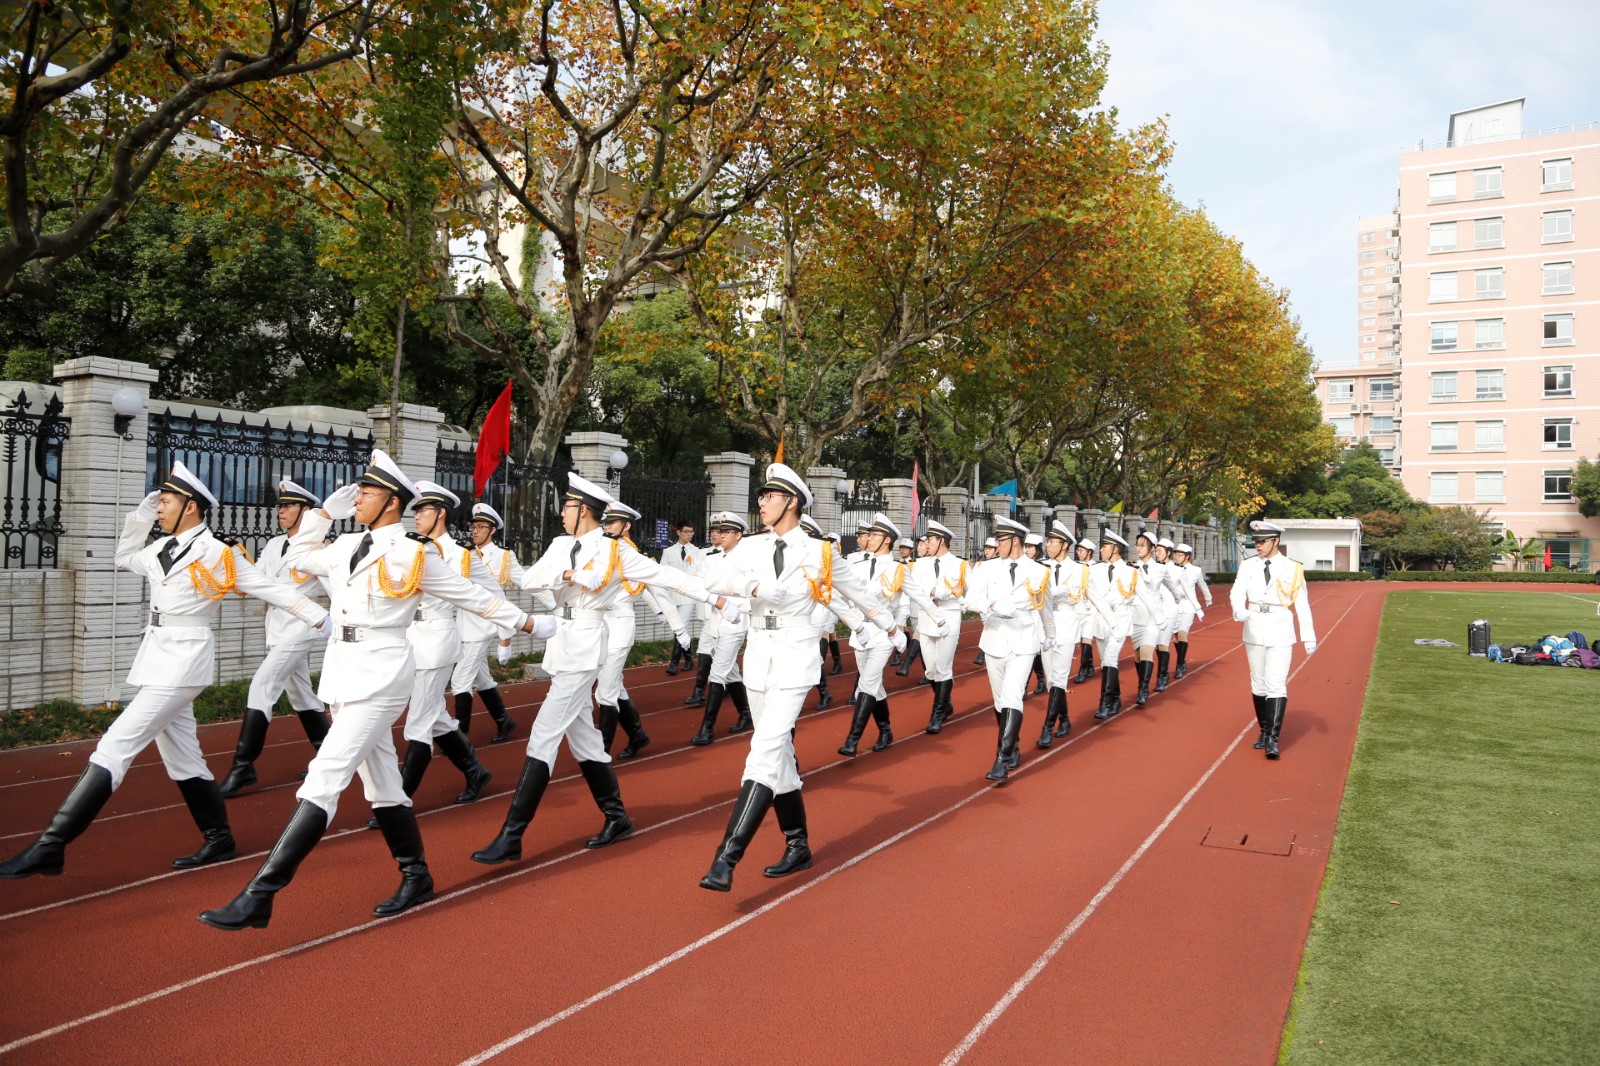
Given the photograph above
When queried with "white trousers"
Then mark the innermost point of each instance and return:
(358, 742)
(164, 715)
(608, 687)
(1008, 679)
(870, 663)
(725, 655)
(428, 717)
(567, 711)
(471, 673)
(1059, 662)
(1113, 635)
(771, 761)
(1269, 669)
(286, 668)
(939, 653)
(1185, 621)
(1167, 626)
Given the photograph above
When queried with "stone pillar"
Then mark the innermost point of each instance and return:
(998, 505)
(416, 437)
(897, 502)
(1094, 520)
(954, 501)
(730, 481)
(1067, 515)
(102, 479)
(823, 481)
(1031, 514)
(591, 454)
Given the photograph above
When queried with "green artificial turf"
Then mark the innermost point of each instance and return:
(1460, 918)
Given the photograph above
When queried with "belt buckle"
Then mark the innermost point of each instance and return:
(1264, 608)
(347, 634)
(418, 616)
(566, 613)
(769, 621)
(155, 619)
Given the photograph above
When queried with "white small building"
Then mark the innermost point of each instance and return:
(1322, 543)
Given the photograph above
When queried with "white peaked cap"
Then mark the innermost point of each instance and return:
(1185, 548)
(1059, 530)
(1009, 526)
(482, 511)
(433, 492)
(581, 488)
(617, 510)
(784, 479)
(385, 473)
(289, 492)
(936, 530)
(184, 482)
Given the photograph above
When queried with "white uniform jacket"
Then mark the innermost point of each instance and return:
(492, 569)
(1264, 603)
(580, 640)
(1119, 587)
(1192, 580)
(1013, 605)
(943, 580)
(784, 624)
(285, 627)
(1071, 590)
(889, 578)
(179, 648)
(436, 630)
(714, 564)
(370, 655)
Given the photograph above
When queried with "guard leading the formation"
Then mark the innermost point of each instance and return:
(1269, 597)
(189, 572)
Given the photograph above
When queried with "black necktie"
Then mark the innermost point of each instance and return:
(1111, 569)
(936, 568)
(361, 552)
(574, 564)
(872, 568)
(1013, 573)
(777, 558)
(164, 556)
(1058, 573)
(1266, 570)
(683, 552)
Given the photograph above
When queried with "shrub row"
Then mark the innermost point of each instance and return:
(1488, 575)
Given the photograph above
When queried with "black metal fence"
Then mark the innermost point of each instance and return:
(242, 461)
(663, 502)
(526, 496)
(30, 525)
(980, 526)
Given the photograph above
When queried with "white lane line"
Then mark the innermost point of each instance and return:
(1039, 964)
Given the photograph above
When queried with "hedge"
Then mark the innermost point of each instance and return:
(1311, 575)
(1496, 576)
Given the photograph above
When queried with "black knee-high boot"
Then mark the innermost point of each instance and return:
(748, 811)
(1006, 754)
(211, 816)
(252, 738)
(741, 703)
(701, 677)
(1262, 721)
(315, 723)
(1181, 667)
(464, 711)
(414, 764)
(497, 710)
(459, 750)
(606, 722)
(880, 715)
(507, 846)
(47, 854)
(253, 906)
(1038, 668)
(400, 832)
(602, 782)
(913, 650)
(1143, 668)
(1105, 710)
(1063, 723)
(838, 663)
(1085, 665)
(677, 653)
(1163, 658)
(824, 697)
(1275, 708)
(708, 722)
(935, 713)
(858, 723)
(633, 725)
(1055, 712)
(791, 814)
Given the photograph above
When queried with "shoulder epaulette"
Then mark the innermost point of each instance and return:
(419, 538)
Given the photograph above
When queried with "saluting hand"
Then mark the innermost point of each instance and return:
(146, 511)
(341, 503)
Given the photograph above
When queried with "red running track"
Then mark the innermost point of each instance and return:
(1076, 914)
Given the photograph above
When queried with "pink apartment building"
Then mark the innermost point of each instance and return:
(1496, 374)
(1359, 401)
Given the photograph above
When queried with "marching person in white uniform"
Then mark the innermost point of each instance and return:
(726, 638)
(377, 579)
(1149, 611)
(621, 631)
(1011, 592)
(477, 637)
(880, 571)
(942, 577)
(1269, 597)
(989, 551)
(686, 557)
(189, 571)
(1084, 553)
(1118, 586)
(1192, 580)
(585, 570)
(908, 551)
(1071, 593)
(289, 642)
(785, 574)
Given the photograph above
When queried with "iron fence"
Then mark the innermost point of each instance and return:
(30, 526)
(525, 495)
(663, 503)
(242, 460)
(980, 527)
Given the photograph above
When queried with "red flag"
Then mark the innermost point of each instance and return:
(494, 441)
(1153, 514)
(1549, 560)
(916, 502)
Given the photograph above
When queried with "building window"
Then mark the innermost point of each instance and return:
(1370, 338)
(1558, 381)
(1443, 385)
(1557, 330)
(1380, 390)
(1442, 487)
(1368, 238)
(1386, 456)
(1489, 333)
(1370, 253)
(1489, 436)
(1443, 338)
(1486, 183)
(1369, 322)
(1442, 286)
(1341, 391)
(1367, 272)
(1557, 486)
(1382, 424)
(1557, 174)
(1441, 187)
(1557, 226)
(1489, 283)
(1488, 233)
(1369, 305)
(1344, 425)
(1557, 434)
(1442, 236)
(1443, 437)
(1392, 268)
(1366, 290)
(1557, 279)
(1490, 486)
(1491, 385)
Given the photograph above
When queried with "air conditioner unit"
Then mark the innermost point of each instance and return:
(1355, 407)
(1366, 407)
(1394, 253)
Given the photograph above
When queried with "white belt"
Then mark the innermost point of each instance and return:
(186, 621)
(436, 614)
(782, 621)
(1268, 608)
(569, 613)
(355, 634)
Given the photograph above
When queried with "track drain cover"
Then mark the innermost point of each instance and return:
(1261, 841)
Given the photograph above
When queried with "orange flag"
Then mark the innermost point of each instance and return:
(778, 456)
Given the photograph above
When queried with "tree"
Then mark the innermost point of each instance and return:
(1586, 488)
(101, 92)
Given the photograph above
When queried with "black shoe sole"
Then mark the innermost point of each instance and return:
(260, 923)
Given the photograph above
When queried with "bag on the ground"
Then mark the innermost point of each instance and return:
(1578, 639)
(1557, 648)
(1586, 658)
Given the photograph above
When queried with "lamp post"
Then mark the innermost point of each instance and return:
(127, 403)
(616, 464)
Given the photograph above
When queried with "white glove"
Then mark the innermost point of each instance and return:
(503, 653)
(1002, 609)
(146, 511)
(731, 613)
(941, 627)
(544, 626)
(1237, 617)
(683, 638)
(586, 579)
(1046, 644)
(341, 503)
(325, 627)
(898, 639)
(776, 595)
(1199, 614)
(1311, 647)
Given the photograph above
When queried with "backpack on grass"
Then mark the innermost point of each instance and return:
(1578, 639)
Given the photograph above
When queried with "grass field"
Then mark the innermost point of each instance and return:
(1460, 918)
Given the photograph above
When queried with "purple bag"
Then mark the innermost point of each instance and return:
(1589, 660)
